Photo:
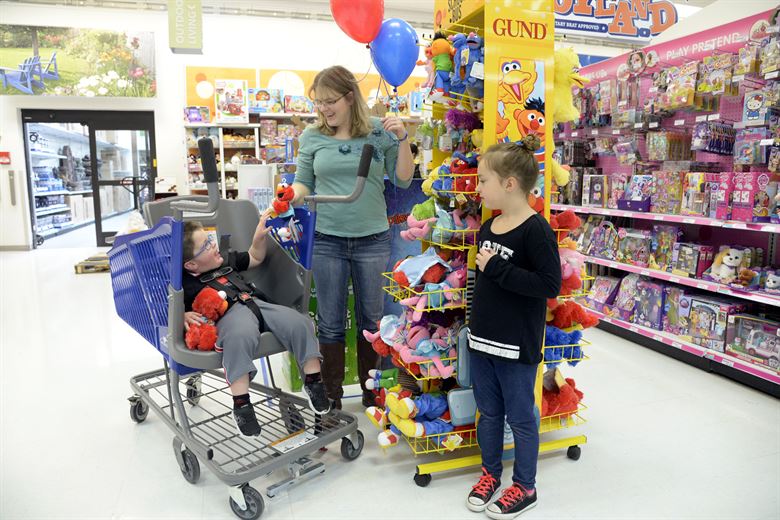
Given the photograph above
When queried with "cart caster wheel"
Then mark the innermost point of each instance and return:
(138, 410)
(422, 480)
(293, 420)
(574, 452)
(254, 504)
(191, 469)
(348, 450)
(39, 240)
(193, 386)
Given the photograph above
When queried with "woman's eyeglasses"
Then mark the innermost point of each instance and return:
(209, 244)
(328, 103)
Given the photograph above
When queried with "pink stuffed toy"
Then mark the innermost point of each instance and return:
(572, 263)
(444, 294)
(421, 347)
(467, 223)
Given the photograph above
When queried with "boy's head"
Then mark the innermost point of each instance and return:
(200, 250)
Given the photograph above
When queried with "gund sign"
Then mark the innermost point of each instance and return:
(636, 20)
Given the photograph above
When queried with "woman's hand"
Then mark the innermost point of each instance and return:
(395, 126)
(483, 257)
(193, 318)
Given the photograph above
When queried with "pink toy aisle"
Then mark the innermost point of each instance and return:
(674, 173)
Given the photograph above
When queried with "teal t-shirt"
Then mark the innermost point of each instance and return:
(328, 166)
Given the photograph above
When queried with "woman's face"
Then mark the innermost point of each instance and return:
(336, 108)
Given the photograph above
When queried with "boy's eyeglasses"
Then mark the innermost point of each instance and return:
(209, 244)
(328, 103)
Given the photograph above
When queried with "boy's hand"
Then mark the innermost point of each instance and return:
(193, 318)
(483, 257)
(262, 230)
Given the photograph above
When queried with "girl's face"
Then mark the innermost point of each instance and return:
(495, 191)
(335, 108)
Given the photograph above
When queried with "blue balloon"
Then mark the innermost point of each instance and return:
(394, 51)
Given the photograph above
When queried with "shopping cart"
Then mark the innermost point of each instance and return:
(146, 272)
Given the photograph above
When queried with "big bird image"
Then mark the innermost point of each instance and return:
(517, 81)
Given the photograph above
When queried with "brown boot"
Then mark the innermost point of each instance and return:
(333, 358)
(367, 359)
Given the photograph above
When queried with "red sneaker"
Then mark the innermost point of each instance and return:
(480, 495)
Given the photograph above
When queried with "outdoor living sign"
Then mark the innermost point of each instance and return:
(185, 26)
(635, 20)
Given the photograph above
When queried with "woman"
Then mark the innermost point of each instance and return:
(351, 240)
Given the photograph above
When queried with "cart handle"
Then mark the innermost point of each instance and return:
(362, 175)
(209, 163)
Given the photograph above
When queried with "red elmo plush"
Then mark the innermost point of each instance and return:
(284, 196)
(560, 396)
(571, 313)
(212, 305)
(434, 274)
(567, 220)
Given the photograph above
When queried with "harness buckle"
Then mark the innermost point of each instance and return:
(244, 296)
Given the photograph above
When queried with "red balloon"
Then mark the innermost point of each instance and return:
(360, 19)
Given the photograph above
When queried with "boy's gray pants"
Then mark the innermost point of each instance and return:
(239, 337)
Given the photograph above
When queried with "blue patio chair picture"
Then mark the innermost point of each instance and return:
(23, 77)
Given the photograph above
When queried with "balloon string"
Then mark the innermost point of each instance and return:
(370, 64)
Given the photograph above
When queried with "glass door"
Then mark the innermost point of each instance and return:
(124, 170)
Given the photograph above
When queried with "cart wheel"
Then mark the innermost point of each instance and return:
(348, 450)
(39, 240)
(254, 504)
(138, 411)
(574, 452)
(293, 420)
(422, 480)
(193, 386)
(191, 469)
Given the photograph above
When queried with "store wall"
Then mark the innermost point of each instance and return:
(228, 41)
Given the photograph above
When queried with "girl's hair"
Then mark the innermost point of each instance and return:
(188, 246)
(340, 81)
(515, 160)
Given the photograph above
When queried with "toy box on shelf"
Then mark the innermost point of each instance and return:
(706, 319)
(754, 339)
(603, 293)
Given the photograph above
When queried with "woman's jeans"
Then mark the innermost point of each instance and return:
(336, 260)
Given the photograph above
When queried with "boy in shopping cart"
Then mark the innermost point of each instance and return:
(248, 315)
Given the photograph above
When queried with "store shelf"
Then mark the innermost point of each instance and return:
(46, 155)
(241, 144)
(50, 210)
(60, 192)
(43, 128)
(705, 285)
(679, 219)
(678, 343)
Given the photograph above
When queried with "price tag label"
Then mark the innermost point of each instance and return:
(702, 286)
(727, 362)
(679, 122)
(478, 70)
(713, 117)
(633, 329)
(653, 125)
(638, 125)
(773, 75)
(575, 134)
(644, 272)
(562, 136)
(709, 355)
(689, 221)
(701, 119)
(674, 279)
(767, 142)
(676, 344)
(737, 225)
(615, 132)
(657, 337)
(738, 78)
(652, 90)
(594, 132)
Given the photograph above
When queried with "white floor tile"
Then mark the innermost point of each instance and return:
(665, 440)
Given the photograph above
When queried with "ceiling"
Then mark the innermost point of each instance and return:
(419, 13)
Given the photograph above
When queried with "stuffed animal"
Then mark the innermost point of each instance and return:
(212, 304)
(564, 222)
(421, 416)
(572, 262)
(571, 314)
(468, 224)
(419, 220)
(560, 397)
(772, 281)
(425, 268)
(458, 74)
(282, 204)
(382, 379)
(566, 346)
(439, 295)
(476, 48)
(441, 56)
(392, 330)
(428, 64)
(567, 65)
(725, 267)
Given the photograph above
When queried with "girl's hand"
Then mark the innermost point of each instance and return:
(395, 126)
(262, 230)
(483, 257)
(193, 318)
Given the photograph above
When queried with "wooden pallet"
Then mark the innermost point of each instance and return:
(94, 264)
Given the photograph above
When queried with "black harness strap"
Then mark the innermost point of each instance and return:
(238, 290)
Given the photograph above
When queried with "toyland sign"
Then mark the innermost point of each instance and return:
(635, 20)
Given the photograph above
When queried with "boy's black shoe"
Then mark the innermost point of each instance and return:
(315, 394)
(513, 501)
(369, 399)
(480, 495)
(246, 422)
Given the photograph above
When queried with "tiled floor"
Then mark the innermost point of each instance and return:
(665, 440)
